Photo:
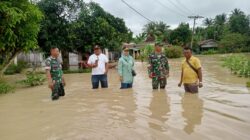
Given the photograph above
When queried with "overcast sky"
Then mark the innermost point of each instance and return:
(171, 12)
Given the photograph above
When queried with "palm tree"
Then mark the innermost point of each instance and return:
(156, 30)
(208, 22)
(220, 19)
(237, 12)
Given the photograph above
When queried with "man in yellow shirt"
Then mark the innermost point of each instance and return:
(191, 75)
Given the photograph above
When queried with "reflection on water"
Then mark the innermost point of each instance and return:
(192, 111)
(220, 111)
(159, 107)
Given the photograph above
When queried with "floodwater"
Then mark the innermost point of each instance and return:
(220, 111)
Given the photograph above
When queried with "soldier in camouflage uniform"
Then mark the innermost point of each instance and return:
(55, 74)
(158, 68)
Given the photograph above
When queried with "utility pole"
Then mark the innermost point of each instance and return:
(195, 18)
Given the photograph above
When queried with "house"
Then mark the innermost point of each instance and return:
(208, 45)
(133, 49)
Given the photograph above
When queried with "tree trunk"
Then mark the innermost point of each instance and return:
(65, 59)
(7, 63)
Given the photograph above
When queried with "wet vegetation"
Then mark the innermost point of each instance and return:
(239, 65)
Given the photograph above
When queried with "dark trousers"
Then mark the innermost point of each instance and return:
(159, 82)
(191, 88)
(96, 79)
(126, 85)
(58, 90)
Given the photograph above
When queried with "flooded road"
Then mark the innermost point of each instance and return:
(220, 111)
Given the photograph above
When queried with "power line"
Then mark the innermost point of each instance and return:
(195, 18)
(136, 11)
(164, 5)
(176, 6)
(178, 1)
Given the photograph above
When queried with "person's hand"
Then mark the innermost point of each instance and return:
(167, 75)
(179, 85)
(151, 76)
(96, 62)
(200, 85)
(94, 65)
(121, 78)
(64, 83)
(51, 85)
(106, 72)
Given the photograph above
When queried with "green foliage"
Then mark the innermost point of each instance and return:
(234, 42)
(5, 87)
(74, 25)
(173, 52)
(248, 84)
(19, 26)
(181, 35)
(239, 22)
(13, 69)
(33, 79)
(77, 71)
(210, 52)
(156, 30)
(238, 64)
(148, 49)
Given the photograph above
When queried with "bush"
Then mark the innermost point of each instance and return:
(233, 42)
(209, 52)
(33, 79)
(173, 52)
(12, 69)
(5, 87)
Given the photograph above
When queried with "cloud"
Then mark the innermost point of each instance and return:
(172, 12)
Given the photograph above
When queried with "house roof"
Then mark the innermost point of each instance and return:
(210, 43)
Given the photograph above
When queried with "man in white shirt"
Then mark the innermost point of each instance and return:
(99, 64)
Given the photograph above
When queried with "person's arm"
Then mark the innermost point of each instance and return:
(198, 65)
(167, 67)
(181, 79)
(48, 74)
(180, 83)
(106, 68)
(90, 63)
(133, 63)
(150, 67)
(106, 65)
(200, 77)
(63, 80)
(120, 70)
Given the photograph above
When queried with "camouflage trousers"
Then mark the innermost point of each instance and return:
(156, 82)
(58, 90)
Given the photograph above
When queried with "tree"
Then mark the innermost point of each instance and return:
(208, 22)
(19, 26)
(220, 19)
(234, 42)
(181, 35)
(156, 31)
(75, 26)
(56, 27)
(239, 22)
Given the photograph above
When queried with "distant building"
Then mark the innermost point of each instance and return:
(133, 49)
(208, 45)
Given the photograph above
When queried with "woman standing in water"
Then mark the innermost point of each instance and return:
(126, 69)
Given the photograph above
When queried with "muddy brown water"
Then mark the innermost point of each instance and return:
(220, 111)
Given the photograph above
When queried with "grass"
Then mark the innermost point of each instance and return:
(33, 79)
(5, 87)
(239, 65)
